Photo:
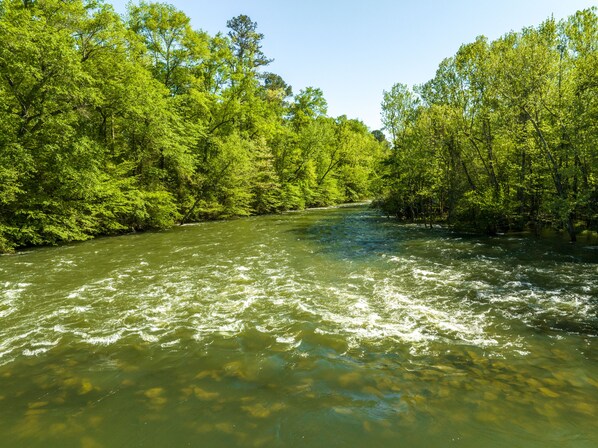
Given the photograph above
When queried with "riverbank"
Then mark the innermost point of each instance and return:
(7, 250)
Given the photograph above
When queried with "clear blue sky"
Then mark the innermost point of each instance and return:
(353, 50)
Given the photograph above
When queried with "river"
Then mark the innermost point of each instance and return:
(325, 328)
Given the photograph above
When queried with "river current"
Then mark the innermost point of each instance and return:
(325, 328)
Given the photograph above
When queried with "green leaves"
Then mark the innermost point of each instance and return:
(173, 47)
(399, 106)
(109, 126)
(504, 136)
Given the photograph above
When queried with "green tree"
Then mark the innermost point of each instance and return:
(109, 126)
(507, 128)
(174, 47)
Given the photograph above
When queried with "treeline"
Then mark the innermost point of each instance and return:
(111, 124)
(505, 136)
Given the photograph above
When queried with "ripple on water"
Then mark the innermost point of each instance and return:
(408, 337)
(448, 289)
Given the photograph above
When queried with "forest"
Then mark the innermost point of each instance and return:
(504, 137)
(113, 124)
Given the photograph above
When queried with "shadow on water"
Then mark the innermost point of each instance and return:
(366, 232)
(361, 233)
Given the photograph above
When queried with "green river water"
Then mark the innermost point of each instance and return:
(325, 328)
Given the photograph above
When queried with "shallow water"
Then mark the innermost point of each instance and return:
(324, 328)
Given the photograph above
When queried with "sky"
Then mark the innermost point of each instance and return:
(354, 50)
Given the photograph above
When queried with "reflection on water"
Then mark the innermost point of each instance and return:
(325, 328)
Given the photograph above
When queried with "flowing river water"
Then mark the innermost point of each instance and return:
(325, 328)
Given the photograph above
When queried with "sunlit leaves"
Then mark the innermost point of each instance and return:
(507, 129)
(109, 126)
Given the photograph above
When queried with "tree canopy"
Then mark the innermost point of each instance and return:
(505, 136)
(111, 124)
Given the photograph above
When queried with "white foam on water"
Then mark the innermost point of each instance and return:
(12, 291)
(35, 352)
(148, 337)
(8, 311)
(46, 343)
(388, 300)
(104, 340)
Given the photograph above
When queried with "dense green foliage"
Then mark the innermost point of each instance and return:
(110, 125)
(505, 136)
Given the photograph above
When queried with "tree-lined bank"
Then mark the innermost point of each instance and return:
(111, 124)
(505, 136)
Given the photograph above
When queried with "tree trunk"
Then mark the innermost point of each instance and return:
(571, 228)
